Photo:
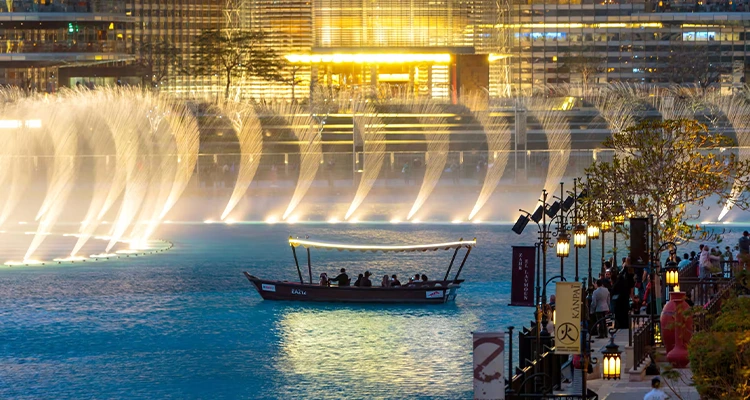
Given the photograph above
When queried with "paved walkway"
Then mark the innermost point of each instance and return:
(624, 389)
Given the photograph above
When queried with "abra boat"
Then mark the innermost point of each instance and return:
(429, 292)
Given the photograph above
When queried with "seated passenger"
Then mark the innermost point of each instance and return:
(386, 282)
(323, 279)
(424, 278)
(358, 282)
(342, 278)
(394, 281)
(366, 280)
(415, 279)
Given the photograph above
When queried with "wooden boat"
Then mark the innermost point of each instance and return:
(429, 292)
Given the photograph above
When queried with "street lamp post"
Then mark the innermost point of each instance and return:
(606, 226)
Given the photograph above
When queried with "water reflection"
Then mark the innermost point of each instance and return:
(416, 351)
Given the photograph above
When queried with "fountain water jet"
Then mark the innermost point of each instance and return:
(311, 151)
(369, 127)
(250, 137)
(438, 144)
(497, 130)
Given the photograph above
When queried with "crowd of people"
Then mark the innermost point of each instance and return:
(363, 280)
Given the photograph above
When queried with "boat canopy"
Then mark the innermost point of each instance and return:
(375, 248)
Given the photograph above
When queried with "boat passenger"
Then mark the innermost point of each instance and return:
(342, 278)
(394, 281)
(324, 279)
(358, 282)
(366, 280)
(416, 278)
(386, 282)
(424, 278)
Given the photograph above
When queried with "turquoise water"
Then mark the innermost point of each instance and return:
(187, 324)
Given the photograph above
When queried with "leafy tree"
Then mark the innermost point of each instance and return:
(584, 61)
(234, 53)
(157, 60)
(691, 63)
(662, 168)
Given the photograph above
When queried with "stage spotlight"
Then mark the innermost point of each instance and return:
(537, 216)
(553, 209)
(520, 224)
(568, 203)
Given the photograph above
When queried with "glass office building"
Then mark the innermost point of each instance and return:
(660, 43)
(45, 44)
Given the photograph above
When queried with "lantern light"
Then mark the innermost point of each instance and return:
(620, 219)
(657, 334)
(612, 361)
(563, 245)
(593, 231)
(672, 274)
(579, 236)
(606, 226)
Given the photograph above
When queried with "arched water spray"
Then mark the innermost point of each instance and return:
(737, 111)
(137, 172)
(187, 139)
(307, 132)
(250, 137)
(99, 138)
(498, 132)
(60, 130)
(369, 128)
(17, 146)
(160, 150)
(438, 144)
(556, 129)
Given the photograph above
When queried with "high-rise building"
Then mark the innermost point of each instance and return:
(638, 41)
(49, 43)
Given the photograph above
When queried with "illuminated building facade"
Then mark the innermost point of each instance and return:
(45, 44)
(589, 43)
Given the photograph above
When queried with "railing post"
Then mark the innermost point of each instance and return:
(510, 357)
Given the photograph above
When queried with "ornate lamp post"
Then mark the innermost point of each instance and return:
(592, 231)
(579, 231)
(611, 361)
(619, 221)
(563, 246)
(606, 226)
(672, 275)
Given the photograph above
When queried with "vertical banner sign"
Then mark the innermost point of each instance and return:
(489, 380)
(639, 241)
(522, 279)
(568, 318)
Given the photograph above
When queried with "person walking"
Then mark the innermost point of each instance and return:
(706, 262)
(600, 307)
(656, 393)
(744, 245)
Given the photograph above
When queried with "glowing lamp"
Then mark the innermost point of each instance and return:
(606, 226)
(611, 365)
(593, 231)
(563, 245)
(579, 236)
(620, 219)
(657, 334)
(672, 274)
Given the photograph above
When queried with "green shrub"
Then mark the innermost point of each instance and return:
(720, 357)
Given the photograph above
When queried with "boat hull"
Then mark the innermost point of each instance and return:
(433, 292)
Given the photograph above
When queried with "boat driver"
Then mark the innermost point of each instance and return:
(342, 278)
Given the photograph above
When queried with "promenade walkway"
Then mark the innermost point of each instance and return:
(625, 389)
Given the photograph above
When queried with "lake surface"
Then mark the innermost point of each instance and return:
(187, 324)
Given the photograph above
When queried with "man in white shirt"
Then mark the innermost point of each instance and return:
(655, 393)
